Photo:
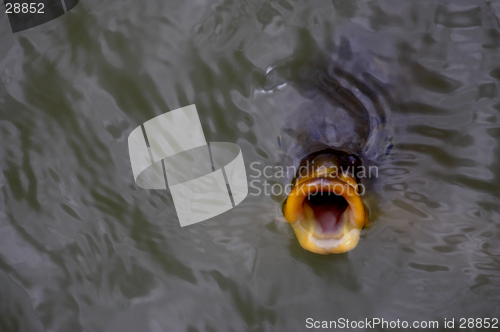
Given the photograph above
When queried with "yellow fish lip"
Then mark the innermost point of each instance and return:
(301, 215)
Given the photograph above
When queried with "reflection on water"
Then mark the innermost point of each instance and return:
(83, 248)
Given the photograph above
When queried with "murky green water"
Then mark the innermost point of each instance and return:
(82, 248)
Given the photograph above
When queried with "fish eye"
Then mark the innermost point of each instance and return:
(388, 149)
(353, 160)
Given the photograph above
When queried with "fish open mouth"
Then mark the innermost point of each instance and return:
(326, 213)
(327, 209)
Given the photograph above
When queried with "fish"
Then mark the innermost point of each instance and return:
(325, 207)
(338, 130)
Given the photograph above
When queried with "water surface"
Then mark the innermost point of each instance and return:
(82, 248)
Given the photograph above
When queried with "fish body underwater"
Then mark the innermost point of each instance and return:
(333, 138)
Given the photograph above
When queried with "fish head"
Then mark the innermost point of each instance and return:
(324, 206)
